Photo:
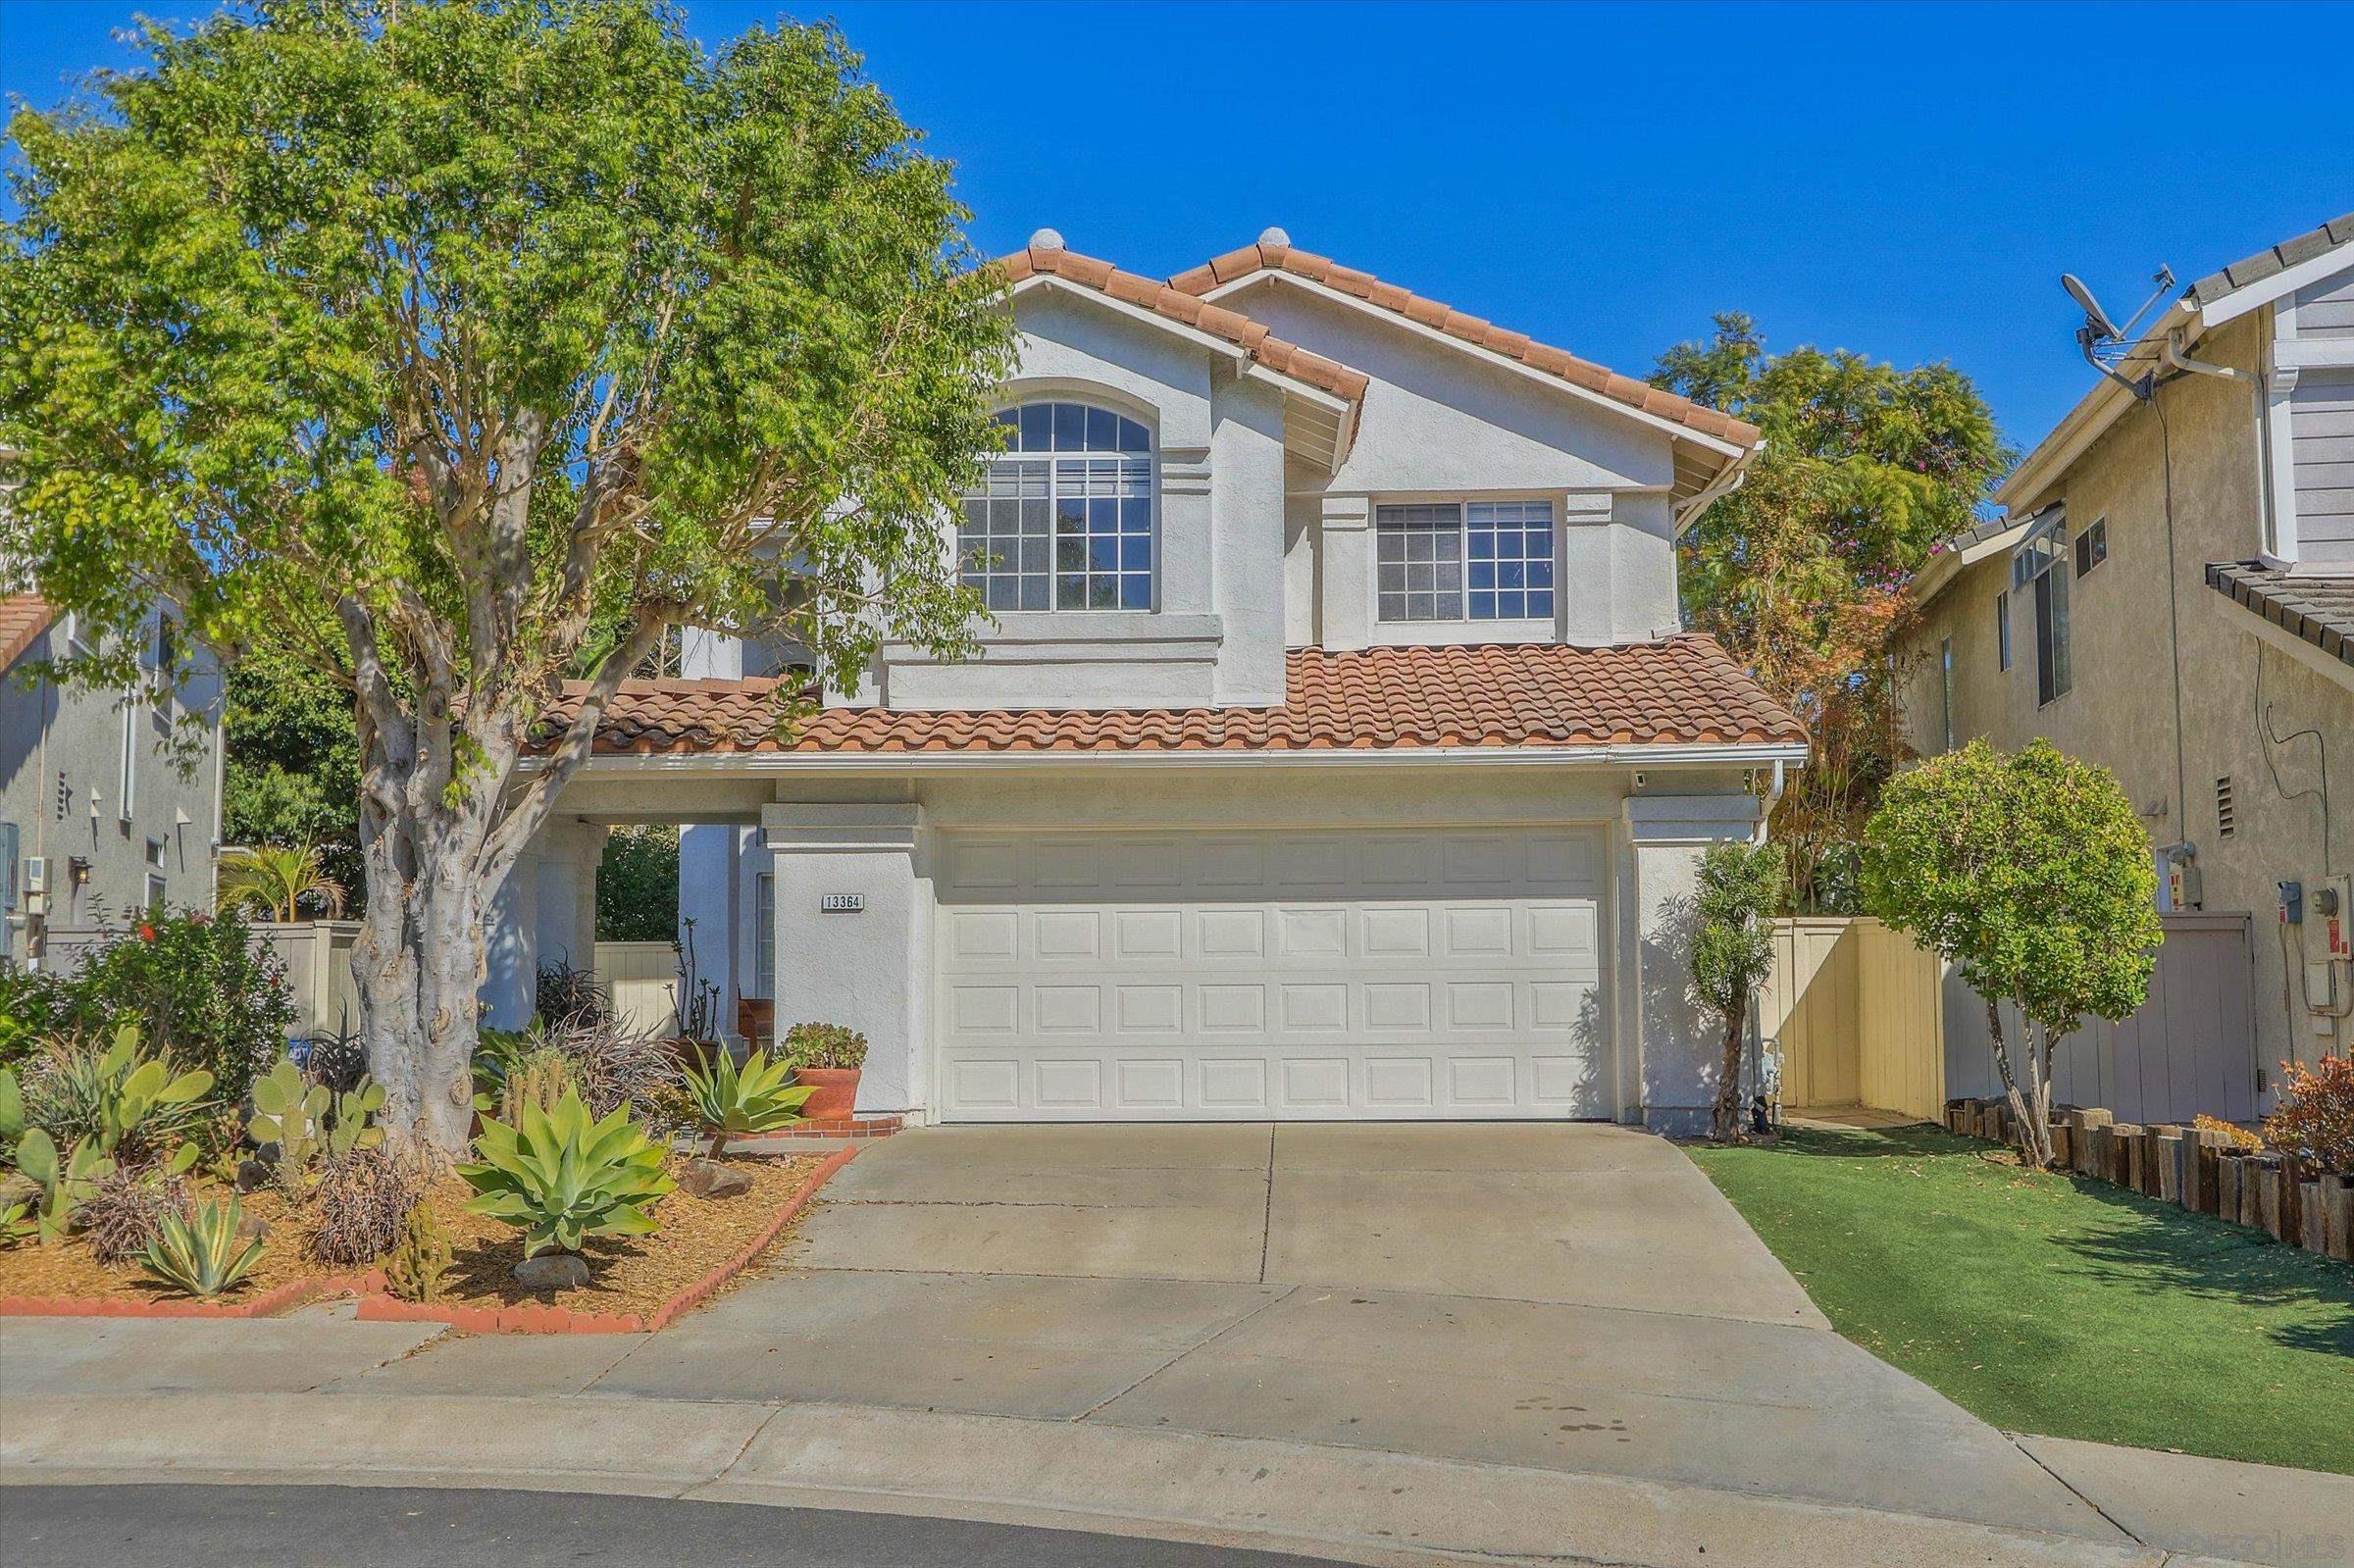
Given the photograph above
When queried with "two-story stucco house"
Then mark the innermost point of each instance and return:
(2171, 594)
(101, 817)
(1335, 751)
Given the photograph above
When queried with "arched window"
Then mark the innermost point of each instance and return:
(1064, 520)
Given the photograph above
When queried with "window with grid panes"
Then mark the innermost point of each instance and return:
(1464, 561)
(1063, 518)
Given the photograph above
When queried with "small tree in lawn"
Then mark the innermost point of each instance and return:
(1740, 888)
(456, 350)
(2032, 874)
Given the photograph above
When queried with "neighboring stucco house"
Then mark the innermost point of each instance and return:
(2171, 594)
(1335, 752)
(99, 819)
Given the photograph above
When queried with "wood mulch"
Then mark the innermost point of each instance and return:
(627, 1274)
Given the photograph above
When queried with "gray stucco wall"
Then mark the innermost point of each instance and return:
(61, 783)
(2126, 650)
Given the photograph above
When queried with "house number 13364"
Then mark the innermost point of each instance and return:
(840, 903)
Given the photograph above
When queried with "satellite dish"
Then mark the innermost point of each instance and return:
(2096, 317)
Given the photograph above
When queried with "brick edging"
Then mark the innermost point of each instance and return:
(295, 1292)
(375, 1306)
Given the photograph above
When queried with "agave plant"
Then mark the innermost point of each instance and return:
(201, 1252)
(276, 882)
(561, 1175)
(731, 1102)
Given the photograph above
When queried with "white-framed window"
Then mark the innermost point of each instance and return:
(1063, 519)
(2037, 566)
(1945, 690)
(127, 784)
(155, 893)
(764, 936)
(1463, 561)
(2092, 545)
(2002, 630)
(155, 853)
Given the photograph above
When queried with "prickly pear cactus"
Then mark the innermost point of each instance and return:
(354, 1126)
(291, 1113)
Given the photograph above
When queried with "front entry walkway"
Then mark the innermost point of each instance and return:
(1566, 1298)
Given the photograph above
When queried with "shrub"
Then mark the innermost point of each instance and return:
(2315, 1120)
(562, 1175)
(201, 1252)
(363, 1203)
(638, 886)
(610, 1062)
(126, 1211)
(202, 991)
(1740, 886)
(2234, 1135)
(730, 1101)
(129, 1101)
(336, 1062)
(565, 997)
(2031, 874)
(824, 1045)
(34, 1005)
(419, 1259)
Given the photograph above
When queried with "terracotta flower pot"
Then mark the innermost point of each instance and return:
(837, 1090)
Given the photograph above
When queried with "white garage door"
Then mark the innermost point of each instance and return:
(1137, 975)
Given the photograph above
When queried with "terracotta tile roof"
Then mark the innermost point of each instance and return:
(24, 616)
(1469, 329)
(2319, 610)
(1682, 690)
(1134, 288)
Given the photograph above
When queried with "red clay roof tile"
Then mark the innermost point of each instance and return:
(1237, 264)
(1680, 690)
(24, 616)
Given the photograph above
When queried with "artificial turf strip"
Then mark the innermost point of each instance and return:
(2060, 1306)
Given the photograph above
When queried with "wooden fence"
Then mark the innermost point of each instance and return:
(1860, 1015)
(641, 976)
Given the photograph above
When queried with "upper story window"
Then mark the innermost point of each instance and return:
(2092, 545)
(1465, 561)
(1063, 519)
(2039, 567)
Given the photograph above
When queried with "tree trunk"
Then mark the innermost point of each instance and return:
(1724, 1118)
(418, 966)
(2033, 1119)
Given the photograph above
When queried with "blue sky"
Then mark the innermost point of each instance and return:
(1904, 180)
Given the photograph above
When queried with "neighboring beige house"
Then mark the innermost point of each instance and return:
(1334, 753)
(2171, 594)
(98, 820)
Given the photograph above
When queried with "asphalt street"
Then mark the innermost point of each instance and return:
(346, 1527)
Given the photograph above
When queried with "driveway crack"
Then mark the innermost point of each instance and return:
(1273, 1300)
(1266, 1220)
(2074, 1491)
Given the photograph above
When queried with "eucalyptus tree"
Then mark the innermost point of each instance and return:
(460, 350)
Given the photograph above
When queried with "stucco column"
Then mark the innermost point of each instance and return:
(568, 855)
(513, 938)
(1586, 582)
(1668, 1053)
(1346, 561)
(867, 966)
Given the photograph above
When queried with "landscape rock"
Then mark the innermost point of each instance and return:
(252, 1228)
(252, 1175)
(708, 1179)
(17, 1188)
(553, 1271)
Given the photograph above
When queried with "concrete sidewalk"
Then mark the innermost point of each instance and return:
(1497, 1324)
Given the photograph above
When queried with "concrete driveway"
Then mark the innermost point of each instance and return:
(1566, 1298)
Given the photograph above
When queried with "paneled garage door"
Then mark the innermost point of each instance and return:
(1137, 975)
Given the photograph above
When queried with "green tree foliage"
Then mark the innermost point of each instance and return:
(638, 886)
(290, 775)
(2031, 874)
(1800, 572)
(1739, 890)
(410, 344)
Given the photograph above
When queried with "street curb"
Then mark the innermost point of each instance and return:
(1366, 1505)
(379, 1307)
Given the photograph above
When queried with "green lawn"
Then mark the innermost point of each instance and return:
(2059, 1305)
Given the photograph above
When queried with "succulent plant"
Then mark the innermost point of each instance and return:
(561, 1176)
(731, 1101)
(128, 1103)
(826, 1046)
(419, 1259)
(353, 1124)
(201, 1252)
(66, 1181)
(12, 1115)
